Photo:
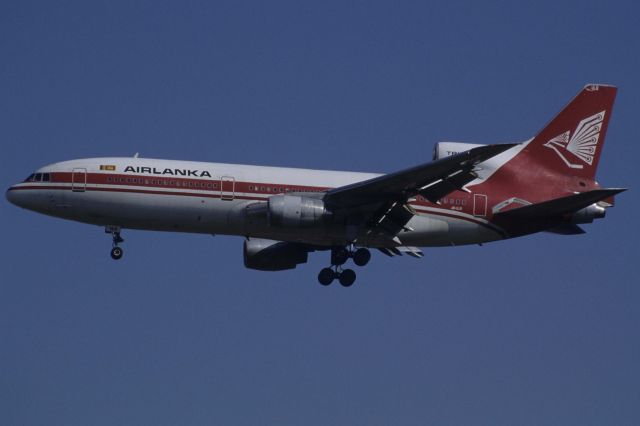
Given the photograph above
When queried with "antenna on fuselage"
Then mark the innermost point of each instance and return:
(136, 155)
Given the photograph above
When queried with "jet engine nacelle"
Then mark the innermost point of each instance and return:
(293, 211)
(588, 214)
(270, 255)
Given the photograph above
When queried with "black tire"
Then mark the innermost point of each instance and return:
(116, 253)
(347, 278)
(339, 256)
(361, 256)
(326, 276)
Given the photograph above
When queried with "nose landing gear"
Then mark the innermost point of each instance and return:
(339, 257)
(116, 252)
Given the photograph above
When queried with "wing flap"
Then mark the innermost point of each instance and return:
(400, 250)
(390, 219)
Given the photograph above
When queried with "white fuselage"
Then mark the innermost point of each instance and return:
(212, 198)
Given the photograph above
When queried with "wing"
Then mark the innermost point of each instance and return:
(432, 180)
(380, 205)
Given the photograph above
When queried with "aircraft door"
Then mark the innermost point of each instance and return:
(79, 180)
(227, 188)
(479, 205)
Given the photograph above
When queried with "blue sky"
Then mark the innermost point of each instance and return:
(540, 330)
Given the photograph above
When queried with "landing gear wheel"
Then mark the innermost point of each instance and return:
(326, 276)
(116, 253)
(339, 256)
(347, 277)
(114, 230)
(361, 256)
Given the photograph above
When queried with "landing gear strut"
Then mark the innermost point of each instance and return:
(116, 252)
(339, 257)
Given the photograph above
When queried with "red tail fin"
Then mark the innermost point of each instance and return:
(563, 157)
(572, 142)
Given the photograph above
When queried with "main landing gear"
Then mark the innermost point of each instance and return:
(339, 257)
(116, 252)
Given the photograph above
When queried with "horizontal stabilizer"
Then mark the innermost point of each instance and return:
(567, 229)
(559, 206)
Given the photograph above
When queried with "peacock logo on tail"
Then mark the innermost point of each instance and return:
(582, 144)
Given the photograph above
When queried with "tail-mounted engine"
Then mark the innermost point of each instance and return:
(588, 214)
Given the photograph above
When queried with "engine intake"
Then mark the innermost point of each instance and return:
(270, 255)
(293, 211)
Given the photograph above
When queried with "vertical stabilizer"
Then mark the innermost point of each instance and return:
(572, 142)
(563, 157)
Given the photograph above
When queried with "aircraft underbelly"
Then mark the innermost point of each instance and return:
(147, 211)
(437, 231)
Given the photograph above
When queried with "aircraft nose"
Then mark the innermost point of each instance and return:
(11, 196)
(16, 198)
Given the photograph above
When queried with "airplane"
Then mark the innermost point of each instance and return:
(468, 194)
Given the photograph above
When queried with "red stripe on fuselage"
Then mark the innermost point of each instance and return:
(148, 188)
(214, 185)
(162, 182)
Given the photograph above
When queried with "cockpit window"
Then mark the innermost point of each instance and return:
(39, 177)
